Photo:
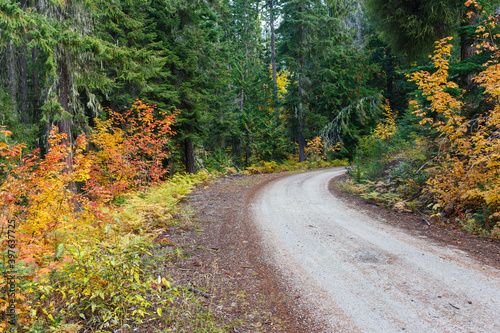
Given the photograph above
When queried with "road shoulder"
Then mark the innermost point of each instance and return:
(227, 261)
(486, 251)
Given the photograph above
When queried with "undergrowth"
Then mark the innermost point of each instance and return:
(114, 279)
(448, 167)
(79, 231)
(272, 166)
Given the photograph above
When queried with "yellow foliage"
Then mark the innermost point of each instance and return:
(487, 33)
(41, 196)
(315, 148)
(386, 129)
(282, 81)
(292, 165)
(111, 158)
(147, 209)
(51, 208)
(264, 167)
(434, 86)
(469, 155)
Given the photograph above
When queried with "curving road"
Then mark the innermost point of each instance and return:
(359, 274)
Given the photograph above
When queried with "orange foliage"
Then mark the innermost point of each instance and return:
(487, 33)
(130, 151)
(469, 158)
(36, 194)
(316, 149)
(40, 194)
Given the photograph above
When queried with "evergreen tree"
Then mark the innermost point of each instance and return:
(249, 72)
(272, 20)
(77, 58)
(189, 35)
(128, 26)
(412, 27)
(305, 30)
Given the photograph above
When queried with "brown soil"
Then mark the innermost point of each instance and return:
(227, 261)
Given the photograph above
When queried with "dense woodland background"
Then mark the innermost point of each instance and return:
(141, 91)
(224, 65)
(63, 61)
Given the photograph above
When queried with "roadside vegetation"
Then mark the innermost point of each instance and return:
(85, 252)
(441, 157)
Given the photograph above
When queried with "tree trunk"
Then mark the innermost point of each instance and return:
(273, 62)
(36, 82)
(36, 75)
(11, 70)
(390, 75)
(242, 101)
(301, 108)
(235, 146)
(467, 47)
(65, 123)
(248, 151)
(23, 74)
(24, 84)
(301, 143)
(359, 24)
(301, 117)
(63, 95)
(189, 155)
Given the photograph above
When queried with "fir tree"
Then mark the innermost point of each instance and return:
(305, 39)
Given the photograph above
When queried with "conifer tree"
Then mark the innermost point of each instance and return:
(305, 32)
(272, 20)
(412, 27)
(189, 35)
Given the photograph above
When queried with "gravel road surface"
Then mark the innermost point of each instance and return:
(360, 274)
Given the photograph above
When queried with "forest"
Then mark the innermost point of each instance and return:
(102, 99)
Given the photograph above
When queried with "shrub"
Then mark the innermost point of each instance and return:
(469, 148)
(371, 159)
(109, 286)
(41, 195)
(130, 149)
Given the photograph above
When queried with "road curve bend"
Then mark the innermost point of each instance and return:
(359, 274)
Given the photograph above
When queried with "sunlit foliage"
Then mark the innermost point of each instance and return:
(469, 149)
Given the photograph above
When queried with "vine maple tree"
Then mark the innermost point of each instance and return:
(36, 195)
(469, 149)
(35, 191)
(386, 129)
(130, 150)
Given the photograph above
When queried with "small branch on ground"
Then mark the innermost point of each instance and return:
(202, 293)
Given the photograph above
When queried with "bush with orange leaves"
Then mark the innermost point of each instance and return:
(36, 194)
(130, 150)
(468, 176)
(36, 197)
(40, 194)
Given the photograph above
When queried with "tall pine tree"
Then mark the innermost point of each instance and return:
(305, 31)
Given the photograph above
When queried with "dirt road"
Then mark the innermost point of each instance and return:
(362, 275)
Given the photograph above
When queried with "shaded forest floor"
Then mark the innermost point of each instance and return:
(222, 256)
